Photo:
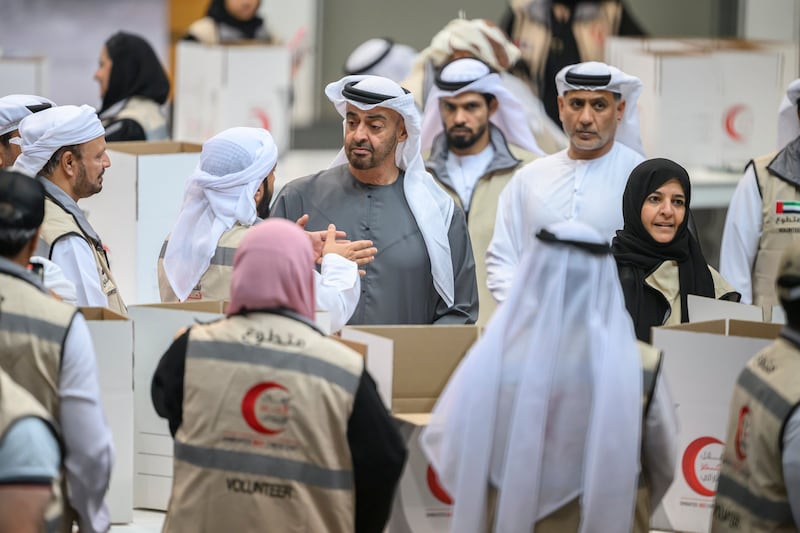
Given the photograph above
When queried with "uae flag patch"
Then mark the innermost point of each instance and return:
(787, 207)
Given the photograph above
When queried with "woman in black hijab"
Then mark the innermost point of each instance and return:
(229, 21)
(658, 259)
(133, 86)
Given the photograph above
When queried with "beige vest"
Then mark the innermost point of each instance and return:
(16, 403)
(147, 113)
(33, 327)
(751, 494)
(59, 223)
(480, 223)
(215, 283)
(778, 230)
(534, 38)
(567, 519)
(263, 443)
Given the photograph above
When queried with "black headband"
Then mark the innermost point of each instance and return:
(35, 108)
(593, 248)
(456, 85)
(365, 97)
(591, 80)
(390, 45)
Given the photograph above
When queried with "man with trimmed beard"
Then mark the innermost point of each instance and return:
(424, 271)
(585, 181)
(65, 149)
(471, 127)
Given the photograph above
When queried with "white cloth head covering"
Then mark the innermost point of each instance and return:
(480, 37)
(42, 134)
(788, 121)
(431, 206)
(596, 76)
(381, 57)
(558, 414)
(471, 75)
(15, 107)
(220, 193)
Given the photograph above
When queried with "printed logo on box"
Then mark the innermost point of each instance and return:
(738, 122)
(436, 488)
(701, 463)
(266, 406)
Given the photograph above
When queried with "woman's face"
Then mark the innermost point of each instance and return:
(243, 10)
(663, 211)
(103, 72)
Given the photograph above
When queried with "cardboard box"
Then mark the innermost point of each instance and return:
(701, 364)
(155, 327)
(703, 309)
(217, 87)
(112, 338)
(133, 214)
(24, 75)
(424, 359)
(720, 123)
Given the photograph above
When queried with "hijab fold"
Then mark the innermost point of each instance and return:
(135, 71)
(635, 247)
(249, 28)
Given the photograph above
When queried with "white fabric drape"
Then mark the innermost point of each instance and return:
(14, 107)
(546, 405)
(788, 121)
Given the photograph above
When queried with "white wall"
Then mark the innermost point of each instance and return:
(70, 34)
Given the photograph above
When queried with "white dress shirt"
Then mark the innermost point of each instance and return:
(76, 259)
(553, 189)
(337, 289)
(89, 452)
(741, 235)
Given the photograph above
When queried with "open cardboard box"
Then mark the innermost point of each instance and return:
(112, 338)
(701, 363)
(423, 360)
(702, 309)
(141, 198)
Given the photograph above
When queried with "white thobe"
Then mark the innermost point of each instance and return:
(77, 262)
(337, 289)
(89, 451)
(465, 171)
(552, 189)
(741, 235)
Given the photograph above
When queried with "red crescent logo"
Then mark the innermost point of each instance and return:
(249, 406)
(689, 461)
(262, 117)
(741, 433)
(436, 488)
(730, 122)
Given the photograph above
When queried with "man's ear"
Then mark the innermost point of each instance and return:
(403, 135)
(69, 163)
(493, 106)
(620, 110)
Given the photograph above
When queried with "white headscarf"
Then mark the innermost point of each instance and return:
(431, 206)
(381, 57)
(220, 193)
(589, 77)
(42, 134)
(15, 107)
(788, 121)
(547, 404)
(475, 76)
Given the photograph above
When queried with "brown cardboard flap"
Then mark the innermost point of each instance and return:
(100, 313)
(152, 148)
(417, 419)
(356, 346)
(424, 358)
(413, 405)
(758, 330)
(712, 326)
(201, 306)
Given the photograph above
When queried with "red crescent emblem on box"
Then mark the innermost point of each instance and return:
(436, 488)
(263, 117)
(690, 457)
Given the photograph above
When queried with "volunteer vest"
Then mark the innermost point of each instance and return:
(263, 441)
(751, 494)
(59, 223)
(567, 518)
(147, 114)
(215, 283)
(780, 226)
(16, 404)
(33, 328)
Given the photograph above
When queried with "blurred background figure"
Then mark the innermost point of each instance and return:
(552, 35)
(229, 21)
(133, 86)
(13, 108)
(482, 39)
(381, 57)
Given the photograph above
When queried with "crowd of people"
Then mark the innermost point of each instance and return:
(478, 183)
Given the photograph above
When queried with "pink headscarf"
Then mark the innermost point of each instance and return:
(273, 267)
